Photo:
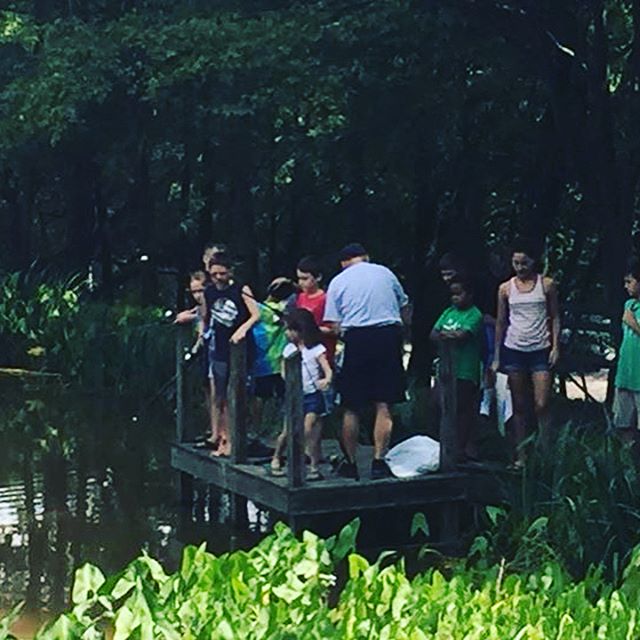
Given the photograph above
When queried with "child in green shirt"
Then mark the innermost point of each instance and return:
(462, 324)
(626, 403)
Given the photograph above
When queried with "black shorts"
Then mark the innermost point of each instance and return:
(266, 387)
(372, 370)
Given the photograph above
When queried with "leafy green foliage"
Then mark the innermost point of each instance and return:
(53, 325)
(38, 317)
(578, 507)
(280, 589)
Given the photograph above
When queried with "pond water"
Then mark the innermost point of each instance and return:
(88, 479)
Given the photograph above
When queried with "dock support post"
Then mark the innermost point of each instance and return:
(185, 481)
(450, 515)
(237, 407)
(239, 516)
(238, 414)
(449, 409)
(181, 345)
(294, 419)
(185, 500)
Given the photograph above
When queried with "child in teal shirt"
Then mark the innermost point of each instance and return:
(626, 403)
(462, 324)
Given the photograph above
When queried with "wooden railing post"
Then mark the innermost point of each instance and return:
(294, 419)
(449, 408)
(237, 402)
(181, 345)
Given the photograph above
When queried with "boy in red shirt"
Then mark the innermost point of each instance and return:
(313, 298)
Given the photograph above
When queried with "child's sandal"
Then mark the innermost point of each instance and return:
(313, 475)
(276, 467)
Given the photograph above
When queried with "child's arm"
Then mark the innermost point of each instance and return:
(329, 329)
(629, 318)
(554, 316)
(324, 382)
(450, 334)
(254, 315)
(186, 316)
(456, 334)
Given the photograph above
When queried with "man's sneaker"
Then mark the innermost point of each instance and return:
(380, 469)
(347, 469)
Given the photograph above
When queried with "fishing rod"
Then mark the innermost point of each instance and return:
(188, 358)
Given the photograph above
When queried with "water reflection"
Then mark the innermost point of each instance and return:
(79, 482)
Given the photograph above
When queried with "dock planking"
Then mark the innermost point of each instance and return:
(452, 489)
(253, 480)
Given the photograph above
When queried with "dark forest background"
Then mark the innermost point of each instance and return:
(133, 127)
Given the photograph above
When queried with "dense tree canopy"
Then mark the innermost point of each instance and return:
(284, 128)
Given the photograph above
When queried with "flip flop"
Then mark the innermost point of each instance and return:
(205, 444)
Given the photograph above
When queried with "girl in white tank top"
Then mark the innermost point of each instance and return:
(528, 328)
(526, 309)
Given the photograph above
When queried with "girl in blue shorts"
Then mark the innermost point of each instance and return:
(304, 336)
(527, 339)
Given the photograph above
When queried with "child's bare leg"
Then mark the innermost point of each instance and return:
(213, 410)
(276, 460)
(224, 447)
(541, 381)
(312, 438)
(520, 395)
(281, 440)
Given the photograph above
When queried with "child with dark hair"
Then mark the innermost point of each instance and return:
(313, 298)
(304, 336)
(231, 313)
(211, 249)
(461, 323)
(451, 267)
(626, 403)
(527, 343)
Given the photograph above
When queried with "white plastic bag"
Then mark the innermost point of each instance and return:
(503, 401)
(414, 457)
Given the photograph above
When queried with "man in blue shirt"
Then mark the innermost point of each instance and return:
(368, 304)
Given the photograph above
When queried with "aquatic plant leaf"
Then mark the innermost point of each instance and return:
(86, 584)
(346, 542)
(7, 621)
(419, 524)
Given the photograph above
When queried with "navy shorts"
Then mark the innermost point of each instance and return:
(314, 403)
(512, 360)
(372, 370)
(266, 387)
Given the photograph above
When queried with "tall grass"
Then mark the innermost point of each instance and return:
(578, 502)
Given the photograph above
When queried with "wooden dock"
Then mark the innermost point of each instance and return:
(297, 502)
